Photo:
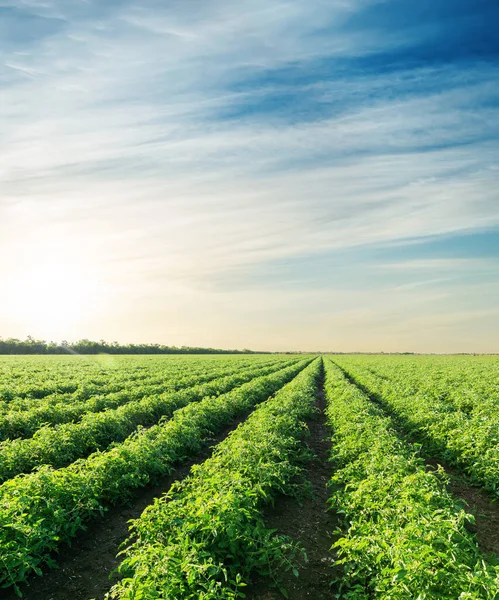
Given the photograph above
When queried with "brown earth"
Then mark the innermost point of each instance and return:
(478, 502)
(308, 522)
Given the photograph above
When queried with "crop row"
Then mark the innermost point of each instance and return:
(40, 511)
(123, 380)
(24, 423)
(206, 536)
(468, 439)
(465, 383)
(404, 536)
(32, 378)
(61, 445)
(36, 377)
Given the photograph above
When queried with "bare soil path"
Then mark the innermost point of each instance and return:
(310, 523)
(478, 502)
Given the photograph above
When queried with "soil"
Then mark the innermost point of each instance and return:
(308, 522)
(85, 567)
(478, 503)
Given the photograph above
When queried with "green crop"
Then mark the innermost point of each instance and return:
(404, 536)
(206, 535)
(60, 445)
(41, 510)
(24, 418)
(449, 404)
(81, 434)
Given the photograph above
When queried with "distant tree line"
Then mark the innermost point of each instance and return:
(32, 346)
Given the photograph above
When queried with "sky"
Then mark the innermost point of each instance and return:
(288, 175)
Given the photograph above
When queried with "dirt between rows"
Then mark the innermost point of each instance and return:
(308, 522)
(85, 567)
(478, 503)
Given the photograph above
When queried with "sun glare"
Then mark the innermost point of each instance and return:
(57, 291)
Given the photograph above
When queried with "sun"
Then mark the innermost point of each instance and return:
(52, 293)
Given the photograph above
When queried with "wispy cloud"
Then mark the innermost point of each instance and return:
(441, 264)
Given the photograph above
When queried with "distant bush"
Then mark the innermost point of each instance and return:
(32, 346)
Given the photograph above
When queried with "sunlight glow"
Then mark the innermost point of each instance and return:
(58, 290)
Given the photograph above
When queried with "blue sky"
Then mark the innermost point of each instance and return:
(309, 175)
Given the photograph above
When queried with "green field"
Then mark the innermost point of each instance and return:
(214, 456)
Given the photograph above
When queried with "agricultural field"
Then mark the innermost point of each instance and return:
(249, 476)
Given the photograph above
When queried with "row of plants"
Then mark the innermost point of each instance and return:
(61, 445)
(404, 537)
(206, 536)
(33, 377)
(27, 379)
(42, 510)
(96, 395)
(23, 424)
(465, 438)
(466, 383)
(81, 384)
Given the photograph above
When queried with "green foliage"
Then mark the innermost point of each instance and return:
(41, 510)
(405, 537)
(59, 446)
(26, 407)
(450, 404)
(206, 535)
(402, 537)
